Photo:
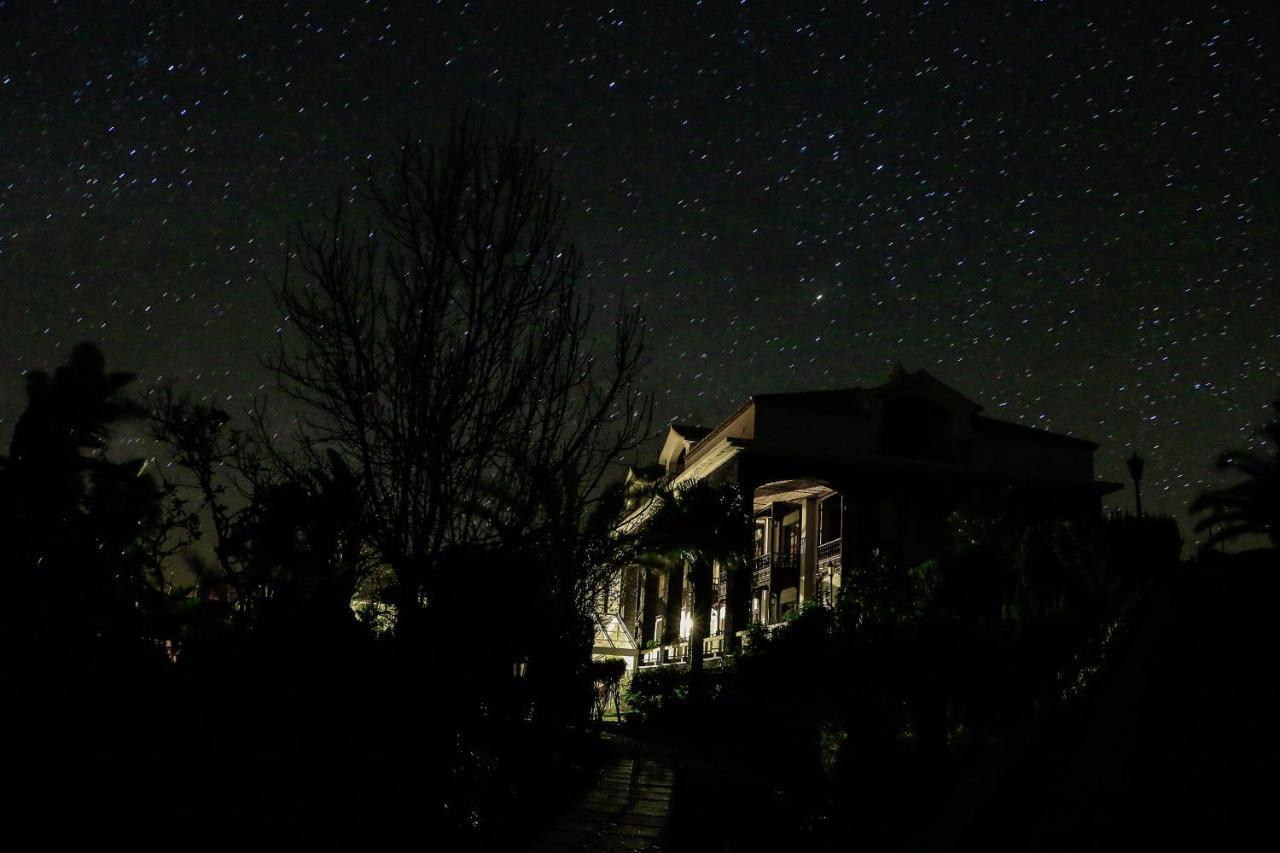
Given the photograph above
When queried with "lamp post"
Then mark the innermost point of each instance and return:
(1135, 464)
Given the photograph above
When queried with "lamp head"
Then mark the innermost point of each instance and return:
(1135, 463)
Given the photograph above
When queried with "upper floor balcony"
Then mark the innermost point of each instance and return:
(782, 568)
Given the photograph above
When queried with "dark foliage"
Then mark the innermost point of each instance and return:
(658, 694)
(606, 677)
(692, 528)
(382, 628)
(85, 535)
(1142, 548)
(873, 710)
(1252, 506)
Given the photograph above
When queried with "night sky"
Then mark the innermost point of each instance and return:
(1066, 210)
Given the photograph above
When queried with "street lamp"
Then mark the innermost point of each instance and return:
(1135, 464)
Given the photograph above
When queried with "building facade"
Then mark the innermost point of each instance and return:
(833, 477)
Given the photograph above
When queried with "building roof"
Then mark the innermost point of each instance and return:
(690, 432)
(841, 398)
(858, 397)
(982, 422)
(680, 438)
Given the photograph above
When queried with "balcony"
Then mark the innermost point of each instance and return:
(676, 654)
(829, 552)
(826, 584)
(784, 568)
(763, 573)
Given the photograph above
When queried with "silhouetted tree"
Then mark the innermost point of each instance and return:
(200, 442)
(287, 540)
(445, 352)
(1252, 506)
(85, 535)
(302, 542)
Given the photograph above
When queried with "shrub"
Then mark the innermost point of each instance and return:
(655, 693)
(1137, 548)
(606, 676)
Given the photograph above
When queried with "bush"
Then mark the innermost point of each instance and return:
(1140, 548)
(606, 676)
(656, 693)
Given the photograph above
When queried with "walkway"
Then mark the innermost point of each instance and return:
(626, 809)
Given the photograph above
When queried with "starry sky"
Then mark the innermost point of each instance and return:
(1067, 210)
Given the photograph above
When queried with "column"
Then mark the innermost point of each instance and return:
(808, 551)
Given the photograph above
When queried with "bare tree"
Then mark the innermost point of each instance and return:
(446, 352)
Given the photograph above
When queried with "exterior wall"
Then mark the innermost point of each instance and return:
(782, 427)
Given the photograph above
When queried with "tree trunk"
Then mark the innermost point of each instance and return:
(739, 576)
(408, 605)
(648, 608)
(700, 575)
(731, 624)
(675, 598)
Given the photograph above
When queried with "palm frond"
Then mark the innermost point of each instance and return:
(1251, 506)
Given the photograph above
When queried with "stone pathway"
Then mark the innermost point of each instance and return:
(625, 810)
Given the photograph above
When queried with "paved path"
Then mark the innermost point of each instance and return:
(625, 810)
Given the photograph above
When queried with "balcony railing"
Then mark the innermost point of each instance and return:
(826, 585)
(829, 551)
(678, 653)
(785, 567)
(763, 573)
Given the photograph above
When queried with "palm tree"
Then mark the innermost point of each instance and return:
(74, 523)
(1252, 506)
(696, 525)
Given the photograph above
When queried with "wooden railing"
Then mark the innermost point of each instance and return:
(678, 653)
(829, 551)
(762, 575)
(786, 566)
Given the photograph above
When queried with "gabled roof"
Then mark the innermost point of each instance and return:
(644, 473)
(690, 432)
(921, 380)
(680, 437)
